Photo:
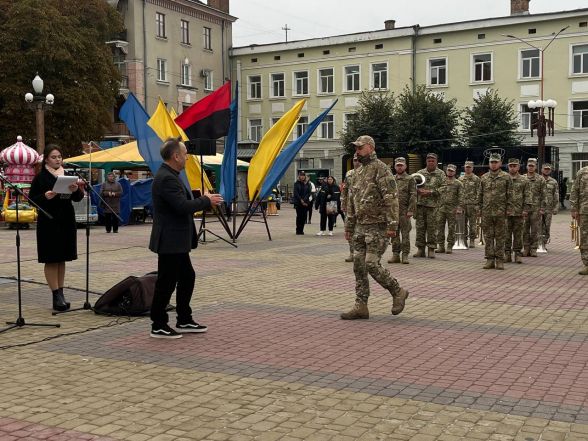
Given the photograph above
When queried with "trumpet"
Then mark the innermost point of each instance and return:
(575, 230)
(479, 231)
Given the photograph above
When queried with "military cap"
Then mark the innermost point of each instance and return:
(432, 155)
(513, 161)
(469, 164)
(532, 161)
(495, 157)
(451, 167)
(547, 165)
(363, 140)
(400, 160)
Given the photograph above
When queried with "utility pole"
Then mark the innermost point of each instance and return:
(286, 28)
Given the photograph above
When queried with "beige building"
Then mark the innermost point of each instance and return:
(173, 49)
(460, 60)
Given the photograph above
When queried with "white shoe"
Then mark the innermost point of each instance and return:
(330, 233)
(320, 233)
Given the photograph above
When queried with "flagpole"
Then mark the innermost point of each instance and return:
(247, 214)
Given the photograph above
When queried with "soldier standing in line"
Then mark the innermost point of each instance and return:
(514, 222)
(495, 202)
(450, 204)
(535, 209)
(471, 185)
(407, 197)
(372, 219)
(427, 202)
(551, 201)
(347, 182)
(579, 207)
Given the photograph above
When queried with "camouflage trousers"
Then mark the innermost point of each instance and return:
(546, 226)
(426, 227)
(470, 222)
(514, 234)
(369, 244)
(494, 236)
(531, 229)
(446, 216)
(402, 240)
(583, 224)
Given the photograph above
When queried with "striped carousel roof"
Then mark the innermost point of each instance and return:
(19, 154)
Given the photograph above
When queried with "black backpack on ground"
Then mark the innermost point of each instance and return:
(132, 296)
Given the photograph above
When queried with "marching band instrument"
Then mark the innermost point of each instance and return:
(479, 231)
(575, 229)
(460, 232)
(420, 178)
(541, 239)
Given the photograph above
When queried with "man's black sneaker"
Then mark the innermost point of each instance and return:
(191, 326)
(164, 332)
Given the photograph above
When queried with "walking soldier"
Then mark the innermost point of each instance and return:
(579, 203)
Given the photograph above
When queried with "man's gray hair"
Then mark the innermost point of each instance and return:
(170, 146)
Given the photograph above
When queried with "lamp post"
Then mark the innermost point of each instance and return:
(39, 104)
(543, 125)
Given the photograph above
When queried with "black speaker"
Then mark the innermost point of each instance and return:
(206, 147)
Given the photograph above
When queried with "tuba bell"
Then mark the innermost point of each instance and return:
(460, 232)
(419, 178)
(541, 239)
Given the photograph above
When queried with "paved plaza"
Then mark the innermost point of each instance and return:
(476, 355)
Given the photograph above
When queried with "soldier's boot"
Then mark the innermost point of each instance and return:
(359, 311)
(489, 264)
(395, 258)
(584, 272)
(405, 258)
(533, 253)
(440, 248)
(499, 264)
(420, 252)
(398, 301)
(518, 258)
(449, 249)
(526, 252)
(431, 253)
(349, 258)
(508, 257)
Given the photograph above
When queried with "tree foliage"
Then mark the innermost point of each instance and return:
(491, 121)
(64, 42)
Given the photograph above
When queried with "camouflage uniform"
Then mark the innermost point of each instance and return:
(471, 185)
(514, 221)
(494, 201)
(407, 198)
(426, 214)
(579, 204)
(450, 199)
(344, 195)
(535, 203)
(551, 206)
(372, 211)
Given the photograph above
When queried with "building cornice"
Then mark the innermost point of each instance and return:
(194, 8)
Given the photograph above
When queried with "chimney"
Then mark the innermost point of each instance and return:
(221, 5)
(389, 24)
(519, 7)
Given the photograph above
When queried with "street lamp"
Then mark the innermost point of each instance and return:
(543, 125)
(39, 104)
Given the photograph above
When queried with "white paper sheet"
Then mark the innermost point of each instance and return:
(63, 182)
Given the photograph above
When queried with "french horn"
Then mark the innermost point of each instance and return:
(419, 178)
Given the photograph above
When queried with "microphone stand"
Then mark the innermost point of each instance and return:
(87, 306)
(20, 321)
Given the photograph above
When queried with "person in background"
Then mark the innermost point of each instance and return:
(345, 195)
(407, 197)
(311, 198)
(327, 202)
(563, 190)
(551, 202)
(111, 193)
(301, 201)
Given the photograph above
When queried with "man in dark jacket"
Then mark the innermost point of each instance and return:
(301, 201)
(172, 237)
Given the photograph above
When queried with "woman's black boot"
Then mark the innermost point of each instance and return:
(62, 297)
(58, 301)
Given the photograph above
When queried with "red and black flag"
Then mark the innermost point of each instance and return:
(210, 117)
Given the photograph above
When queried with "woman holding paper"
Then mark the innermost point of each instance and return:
(56, 237)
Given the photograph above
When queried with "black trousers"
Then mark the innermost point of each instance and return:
(309, 212)
(173, 271)
(111, 222)
(301, 213)
(331, 218)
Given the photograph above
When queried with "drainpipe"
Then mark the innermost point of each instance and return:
(144, 57)
(223, 48)
(415, 35)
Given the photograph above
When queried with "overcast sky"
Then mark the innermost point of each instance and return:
(261, 21)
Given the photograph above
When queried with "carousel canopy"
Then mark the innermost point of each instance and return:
(19, 154)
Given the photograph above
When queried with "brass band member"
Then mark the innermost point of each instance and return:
(515, 221)
(535, 209)
(407, 197)
(579, 204)
(471, 186)
(449, 205)
(551, 201)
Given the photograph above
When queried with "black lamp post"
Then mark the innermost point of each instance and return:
(39, 104)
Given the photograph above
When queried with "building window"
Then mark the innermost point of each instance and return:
(208, 83)
(580, 59)
(301, 126)
(326, 80)
(185, 28)
(530, 63)
(255, 128)
(347, 117)
(327, 128)
(277, 81)
(186, 75)
(254, 87)
(438, 72)
(185, 106)
(580, 114)
(351, 78)
(207, 38)
(527, 117)
(579, 160)
(161, 69)
(482, 67)
(380, 76)
(160, 24)
(301, 83)
(329, 164)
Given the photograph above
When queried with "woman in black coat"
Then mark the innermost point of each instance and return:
(56, 238)
(327, 202)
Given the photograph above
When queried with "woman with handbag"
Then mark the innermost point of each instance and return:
(327, 202)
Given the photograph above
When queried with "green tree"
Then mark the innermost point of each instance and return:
(425, 121)
(64, 42)
(491, 121)
(374, 117)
